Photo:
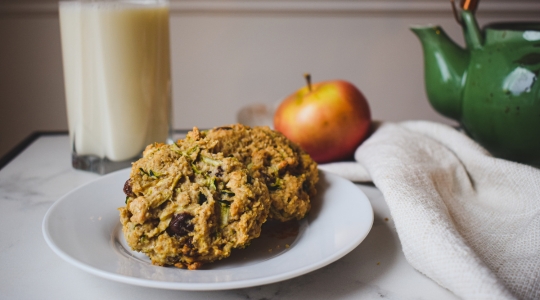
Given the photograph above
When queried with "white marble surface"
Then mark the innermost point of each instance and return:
(30, 270)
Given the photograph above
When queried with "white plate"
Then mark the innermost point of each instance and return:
(83, 228)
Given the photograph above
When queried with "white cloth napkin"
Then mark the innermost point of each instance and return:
(467, 220)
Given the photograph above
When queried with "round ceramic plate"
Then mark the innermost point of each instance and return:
(83, 228)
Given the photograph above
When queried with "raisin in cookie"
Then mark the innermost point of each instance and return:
(187, 206)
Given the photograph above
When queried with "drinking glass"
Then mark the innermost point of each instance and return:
(117, 79)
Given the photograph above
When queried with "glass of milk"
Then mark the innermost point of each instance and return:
(117, 79)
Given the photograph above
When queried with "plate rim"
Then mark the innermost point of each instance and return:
(197, 286)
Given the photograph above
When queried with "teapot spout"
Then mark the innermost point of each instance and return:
(445, 67)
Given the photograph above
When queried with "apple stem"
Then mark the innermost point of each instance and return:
(308, 79)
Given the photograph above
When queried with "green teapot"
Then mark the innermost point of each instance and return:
(491, 87)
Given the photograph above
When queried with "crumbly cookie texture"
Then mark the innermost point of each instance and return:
(187, 206)
(289, 173)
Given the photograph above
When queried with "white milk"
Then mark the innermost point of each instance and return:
(117, 76)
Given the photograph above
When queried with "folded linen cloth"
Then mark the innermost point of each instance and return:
(467, 220)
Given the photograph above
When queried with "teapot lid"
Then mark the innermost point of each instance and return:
(514, 26)
(512, 32)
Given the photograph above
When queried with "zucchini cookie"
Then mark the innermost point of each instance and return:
(289, 173)
(187, 207)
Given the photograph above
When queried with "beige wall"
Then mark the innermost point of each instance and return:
(228, 54)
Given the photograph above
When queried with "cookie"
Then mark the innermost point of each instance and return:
(289, 173)
(188, 206)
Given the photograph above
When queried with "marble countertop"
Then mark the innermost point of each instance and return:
(29, 269)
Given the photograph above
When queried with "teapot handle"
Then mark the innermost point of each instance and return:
(471, 5)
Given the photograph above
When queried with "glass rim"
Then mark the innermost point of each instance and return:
(115, 1)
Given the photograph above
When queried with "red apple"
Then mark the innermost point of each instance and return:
(327, 119)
